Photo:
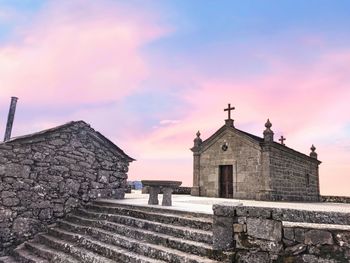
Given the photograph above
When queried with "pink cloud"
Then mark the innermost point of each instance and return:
(78, 52)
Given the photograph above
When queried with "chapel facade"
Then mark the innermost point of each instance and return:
(235, 164)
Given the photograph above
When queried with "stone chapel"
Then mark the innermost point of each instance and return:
(236, 164)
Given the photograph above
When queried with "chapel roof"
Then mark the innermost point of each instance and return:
(199, 145)
(225, 127)
(257, 139)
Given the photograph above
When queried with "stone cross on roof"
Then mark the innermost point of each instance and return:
(282, 139)
(229, 109)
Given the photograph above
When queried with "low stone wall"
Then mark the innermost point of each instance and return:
(335, 199)
(182, 190)
(178, 191)
(45, 176)
(256, 234)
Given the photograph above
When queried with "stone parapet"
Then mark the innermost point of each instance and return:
(282, 214)
(335, 199)
(182, 190)
(264, 234)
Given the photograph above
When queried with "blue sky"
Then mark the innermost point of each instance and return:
(149, 74)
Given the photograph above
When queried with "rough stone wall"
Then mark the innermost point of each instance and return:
(245, 157)
(294, 177)
(265, 240)
(335, 199)
(45, 177)
(259, 235)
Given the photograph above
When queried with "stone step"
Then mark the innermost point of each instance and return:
(107, 232)
(8, 259)
(164, 209)
(87, 236)
(91, 251)
(48, 253)
(175, 231)
(82, 254)
(22, 255)
(188, 246)
(157, 216)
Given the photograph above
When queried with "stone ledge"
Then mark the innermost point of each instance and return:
(316, 226)
(282, 214)
(335, 199)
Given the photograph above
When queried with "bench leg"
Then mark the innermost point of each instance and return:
(153, 195)
(167, 192)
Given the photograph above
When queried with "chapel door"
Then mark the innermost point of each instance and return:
(226, 181)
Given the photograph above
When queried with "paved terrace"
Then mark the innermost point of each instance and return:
(205, 204)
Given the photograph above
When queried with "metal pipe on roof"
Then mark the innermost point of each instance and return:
(10, 118)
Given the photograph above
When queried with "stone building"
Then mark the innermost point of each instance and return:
(45, 175)
(235, 164)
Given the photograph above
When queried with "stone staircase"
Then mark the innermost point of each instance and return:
(107, 232)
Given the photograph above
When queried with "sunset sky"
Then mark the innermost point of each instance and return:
(149, 74)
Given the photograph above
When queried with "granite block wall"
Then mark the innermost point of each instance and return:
(243, 155)
(294, 177)
(44, 176)
(261, 235)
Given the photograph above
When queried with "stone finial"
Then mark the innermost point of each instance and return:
(197, 141)
(313, 154)
(268, 133)
(229, 123)
(268, 124)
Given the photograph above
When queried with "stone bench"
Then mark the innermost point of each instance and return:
(155, 186)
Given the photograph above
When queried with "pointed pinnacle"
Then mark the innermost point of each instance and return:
(268, 124)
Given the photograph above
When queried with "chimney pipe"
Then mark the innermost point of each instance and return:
(10, 118)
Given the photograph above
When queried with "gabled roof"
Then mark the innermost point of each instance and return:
(249, 136)
(94, 134)
(253, 138)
